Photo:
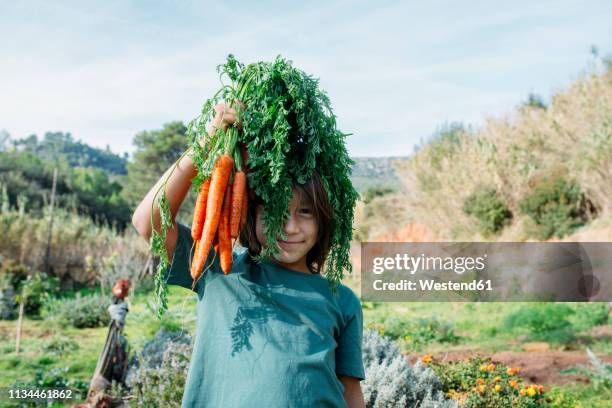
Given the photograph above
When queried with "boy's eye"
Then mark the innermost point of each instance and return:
(305, 210)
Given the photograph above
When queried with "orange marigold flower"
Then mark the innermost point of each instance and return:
(497, 379)
(513, 383)
(427, 358)
(480, 381)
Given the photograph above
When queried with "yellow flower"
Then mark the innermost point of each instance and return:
(497, 379)
(427, 358)
(523, 392)
(491, 367)
(531, 391)
(498, 388)
(513, 370)
(483, 367)
(513, 383)
(481, 388)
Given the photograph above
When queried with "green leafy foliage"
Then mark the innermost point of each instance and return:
(35, 290)
(81, 312)
(375, 191)
(154, 152)
(478, 383)
(556, 205)
(488, 209)
(545, 321)
(416, 333)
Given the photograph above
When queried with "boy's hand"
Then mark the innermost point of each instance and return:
(223, 119)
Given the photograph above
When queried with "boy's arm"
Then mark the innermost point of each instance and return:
(352, 391)
(177, 188)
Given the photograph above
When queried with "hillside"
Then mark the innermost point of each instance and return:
(539, 172)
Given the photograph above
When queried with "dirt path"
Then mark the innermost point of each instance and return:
(541, 367)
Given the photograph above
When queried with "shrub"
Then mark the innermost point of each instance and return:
(157, 377)
(588, 315)
(375, 191)
(546, 322)
(600, 375)
(36, 289)
(556, 205)
(478, 382)
(53, 378)
(61, 345)
(488, 209)
(417, 333)
(82, 312)
(391, 382)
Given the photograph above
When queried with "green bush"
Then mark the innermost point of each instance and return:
(556, 205)
(36, 289)
(588, 315)
(82, 312)
(488, 209)
(61, 345)
(375, 191)
(545, 322)
(416, 333)
(478, 382)
(53, 378)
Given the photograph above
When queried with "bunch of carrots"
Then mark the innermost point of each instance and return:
(220, 213)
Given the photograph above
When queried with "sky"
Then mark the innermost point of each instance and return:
(395, 71)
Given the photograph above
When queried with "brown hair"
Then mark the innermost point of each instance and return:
(316, 195)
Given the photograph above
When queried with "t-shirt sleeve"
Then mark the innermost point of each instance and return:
(349, 359)
(179, 272)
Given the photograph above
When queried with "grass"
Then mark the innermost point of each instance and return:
(141, 325)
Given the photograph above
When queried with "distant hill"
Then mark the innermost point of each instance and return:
(375, 172)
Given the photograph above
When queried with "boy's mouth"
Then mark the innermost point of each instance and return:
(288, 244)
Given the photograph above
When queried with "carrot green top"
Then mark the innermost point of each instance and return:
(268, 336)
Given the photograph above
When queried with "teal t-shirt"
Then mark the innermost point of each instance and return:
(267, 336)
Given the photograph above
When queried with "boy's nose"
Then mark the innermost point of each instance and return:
(291, 226)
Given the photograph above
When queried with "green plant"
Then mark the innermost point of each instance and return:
(478, 382)
(416, 333)
(488, 209)
(599, 375)
(82, 312)
(589, 314)
(35, 290)
(545, 322)
(161, 385)
(53, 378)
(61, 345)
(375, 191)
(392, 382)
(557, 206)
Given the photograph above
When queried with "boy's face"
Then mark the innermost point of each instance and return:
(301, 229)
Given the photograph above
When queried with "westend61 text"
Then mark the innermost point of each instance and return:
(432, 285)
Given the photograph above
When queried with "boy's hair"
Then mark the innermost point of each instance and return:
(315, 194)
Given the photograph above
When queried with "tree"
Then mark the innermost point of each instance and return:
(156, 150)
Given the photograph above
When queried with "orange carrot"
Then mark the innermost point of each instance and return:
(218, 185)
(200, 211)
(216, 242)
(245, 206)
(225, 240)
(238, 190)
